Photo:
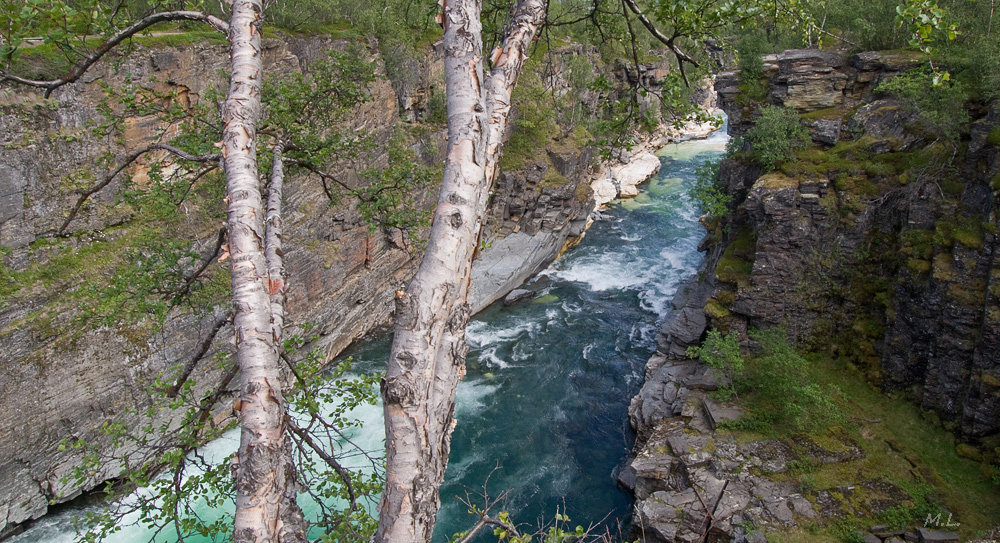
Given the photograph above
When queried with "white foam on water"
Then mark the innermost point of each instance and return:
(488, 357)
(606, 271)
(472, 395)
(479, 334)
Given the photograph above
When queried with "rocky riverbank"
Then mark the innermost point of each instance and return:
(841, 256)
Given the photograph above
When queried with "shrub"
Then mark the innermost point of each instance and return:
(707, 190)
(940, 109)
(749, 51)
(775, 136)
(785, 390)
(722, 353)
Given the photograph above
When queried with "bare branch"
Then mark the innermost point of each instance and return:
(342, 472)
(208, 261)
(79, 69)
(323, 176)
(682, 57)
(202, 351)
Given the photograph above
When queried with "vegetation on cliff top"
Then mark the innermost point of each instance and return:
(904, 468)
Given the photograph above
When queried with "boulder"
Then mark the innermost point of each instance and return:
(935, 536)
(518, 295)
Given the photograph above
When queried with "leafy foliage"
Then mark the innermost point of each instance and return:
(387, 201)
(940, 108)
(775, 136)
(785, 391)
(708, 192)
(173, 483)
(779, 390)
(722, 353)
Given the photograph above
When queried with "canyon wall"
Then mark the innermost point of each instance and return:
(876, 244)
(881, 249)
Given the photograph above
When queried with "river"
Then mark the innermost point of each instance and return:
(543, 411)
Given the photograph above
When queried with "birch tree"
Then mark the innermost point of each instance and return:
(264, 473)
(428, 351)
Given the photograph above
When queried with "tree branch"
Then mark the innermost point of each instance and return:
(79, 69)
(342, 472)
(128, 162)
(682, 57)
(208, 261)
(202, 351)
(322, 175)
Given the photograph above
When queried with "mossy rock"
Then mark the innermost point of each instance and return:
(776, 181)
(918, 265)
(716, 310)
(943, 269)
(726, 297)
(552, 178)
(965, 450)
(970, 295)
(993, 138)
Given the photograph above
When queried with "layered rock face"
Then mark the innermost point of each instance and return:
(63, 380)
(894, 266)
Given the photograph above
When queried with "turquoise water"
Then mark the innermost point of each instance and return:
(542, 414)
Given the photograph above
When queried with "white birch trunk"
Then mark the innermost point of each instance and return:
(272, 245)
(264, 472)
(428, 350)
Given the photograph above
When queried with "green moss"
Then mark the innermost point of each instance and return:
(993, 138)
(180, 39)
(965, 231)
(943, 270)
(969, 234)
(830, 113)
(918, 243)
(964, 450)
(726, 297)
(918, 265)
(552, 178)
(969, 294)
(777, 181)
(46, 61)
(952, 188)
(907, 461)
(715, 310)
(581, 136)
(736, 262)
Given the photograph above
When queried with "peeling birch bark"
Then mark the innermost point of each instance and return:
(428, 351)
(264, 471)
